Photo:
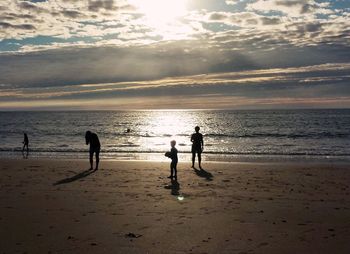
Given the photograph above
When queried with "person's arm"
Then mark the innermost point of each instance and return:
(192, 138)
(87, 140)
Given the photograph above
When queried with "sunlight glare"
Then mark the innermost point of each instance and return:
(161, 10)
(164, 17)
(166, 126)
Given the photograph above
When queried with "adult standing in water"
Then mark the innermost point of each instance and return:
(197, 146)
(95, 147)
(25, 145)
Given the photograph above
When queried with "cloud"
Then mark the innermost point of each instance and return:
(243, 19)
(119, 53)
(105, 22)
(324, 84)
(28, 6)
(279, 31)
(223, 52)
(292, 8)
(232, 2)
(180, 102)
(71, 13)
(101, 4)
(62, 18)
(6, 25)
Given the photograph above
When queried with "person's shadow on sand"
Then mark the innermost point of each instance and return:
(174, 187)
(76, 177)
(205, 174)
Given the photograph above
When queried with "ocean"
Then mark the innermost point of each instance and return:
(317, 134)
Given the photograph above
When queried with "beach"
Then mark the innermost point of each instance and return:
(57, 206)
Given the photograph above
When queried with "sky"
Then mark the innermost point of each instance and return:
(174, 54)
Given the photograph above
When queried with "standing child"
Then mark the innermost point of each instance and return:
(173, 156)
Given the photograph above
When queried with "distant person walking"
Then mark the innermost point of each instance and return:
(95, 147)
(173, 156)
(197, 146)
(25, 145)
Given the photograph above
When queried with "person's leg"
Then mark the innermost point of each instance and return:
(200, 160)
(171, 170)
(97, 159)
(175, 171)
(193, 158)
(25, 151)
(91, 159)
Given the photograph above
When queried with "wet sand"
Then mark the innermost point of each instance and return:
(56, 206)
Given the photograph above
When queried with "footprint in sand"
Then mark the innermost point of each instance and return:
(263, 244)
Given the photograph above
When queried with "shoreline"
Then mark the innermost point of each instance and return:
(183, 157)
(311, 162)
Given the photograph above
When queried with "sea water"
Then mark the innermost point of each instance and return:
(228, 134)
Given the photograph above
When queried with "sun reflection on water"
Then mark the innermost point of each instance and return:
(147, 134)
(165, 126)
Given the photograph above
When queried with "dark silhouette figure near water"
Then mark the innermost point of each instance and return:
(25, 146)
(95, 147)
(197, 146)
(173, 156)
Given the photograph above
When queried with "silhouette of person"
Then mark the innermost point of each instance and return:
(173, 156)
(197, 146)
(25, 145)
(95, 147)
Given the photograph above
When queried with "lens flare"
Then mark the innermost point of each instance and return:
(180, 198)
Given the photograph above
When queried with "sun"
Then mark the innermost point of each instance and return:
(163, 16)
(161, 10)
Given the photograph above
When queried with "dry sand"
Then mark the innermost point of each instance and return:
(52, 206)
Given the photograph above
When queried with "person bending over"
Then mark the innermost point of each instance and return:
(95, 147)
